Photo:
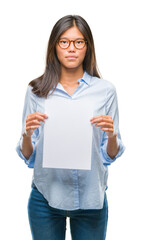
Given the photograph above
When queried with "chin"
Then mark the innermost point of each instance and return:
(71, 65)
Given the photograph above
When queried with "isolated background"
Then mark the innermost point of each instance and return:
(25, 29)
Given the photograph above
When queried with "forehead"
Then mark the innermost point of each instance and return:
(72, 33)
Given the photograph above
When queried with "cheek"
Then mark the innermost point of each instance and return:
(59, 53)
(83, 53)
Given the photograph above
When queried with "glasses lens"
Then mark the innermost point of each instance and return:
(80, 43)
(63, 43)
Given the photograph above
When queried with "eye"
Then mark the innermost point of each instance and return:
(63, 41)
(79, 42)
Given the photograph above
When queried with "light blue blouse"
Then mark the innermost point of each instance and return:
(71, 189)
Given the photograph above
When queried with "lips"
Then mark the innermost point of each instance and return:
(71, 57)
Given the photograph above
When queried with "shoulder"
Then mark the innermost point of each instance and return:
(30, 96)
(103, 84)
(36, 102)
(29, 90)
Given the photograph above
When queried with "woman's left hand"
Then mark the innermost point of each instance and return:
(105, 122)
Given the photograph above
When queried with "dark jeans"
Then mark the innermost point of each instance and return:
(48, 223)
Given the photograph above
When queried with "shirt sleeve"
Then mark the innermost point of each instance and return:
(111, 110)
(30, 104)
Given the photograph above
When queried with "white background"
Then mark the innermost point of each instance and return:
(25, 29)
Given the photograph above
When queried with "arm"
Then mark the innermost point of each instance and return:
(32, 122)
(26, 146)
(106, 124)
(111, 144)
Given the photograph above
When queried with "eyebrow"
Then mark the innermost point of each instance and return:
(74, 39)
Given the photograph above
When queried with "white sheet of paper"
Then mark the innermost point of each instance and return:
(67, 134)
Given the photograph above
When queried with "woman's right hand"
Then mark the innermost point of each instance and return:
(33, 121)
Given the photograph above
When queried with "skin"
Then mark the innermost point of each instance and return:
(71, 71)
(105, 122)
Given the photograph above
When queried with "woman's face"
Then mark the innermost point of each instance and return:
(71, 57)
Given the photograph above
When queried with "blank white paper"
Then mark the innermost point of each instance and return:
(67, 134)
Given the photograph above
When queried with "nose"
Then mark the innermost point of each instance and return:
(71, 47)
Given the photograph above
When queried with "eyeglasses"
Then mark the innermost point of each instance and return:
(78, 43)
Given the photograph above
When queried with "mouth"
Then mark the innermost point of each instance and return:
(71, 57)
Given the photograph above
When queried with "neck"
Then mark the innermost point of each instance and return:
(70, 76)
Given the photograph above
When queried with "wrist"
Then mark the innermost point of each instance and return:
(112, 135)
(25, 134)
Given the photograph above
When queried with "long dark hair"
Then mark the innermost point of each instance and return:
(50, 78)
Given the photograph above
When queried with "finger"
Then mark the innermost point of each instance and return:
(44, 115)
(102, 119)
(38, 113)
(106, 116)
(32, 123)
(107, 130)
(104, 124)
(101, 116)
(32, 127)
(35, 117)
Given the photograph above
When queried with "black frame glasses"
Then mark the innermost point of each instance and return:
(75, 43)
